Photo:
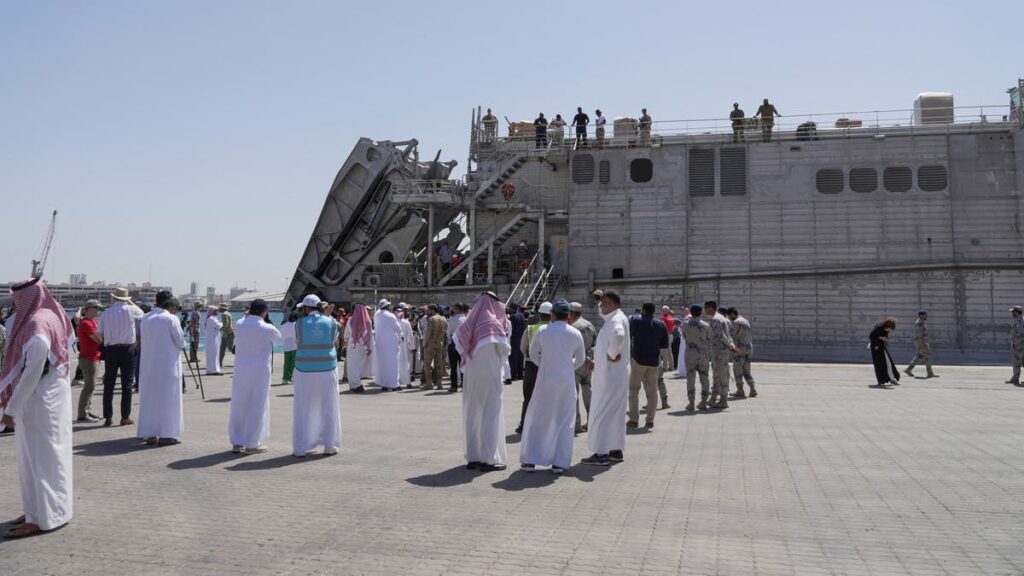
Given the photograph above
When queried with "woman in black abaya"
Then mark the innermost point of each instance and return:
(885, 370)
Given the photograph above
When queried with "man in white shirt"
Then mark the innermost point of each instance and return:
(454, 359)
(600, 121)
(117, 331)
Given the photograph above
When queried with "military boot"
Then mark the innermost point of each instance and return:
(909, 371)
(689, 407)
(703, 404)
(738, 394)
(722, 405)
(753, 392)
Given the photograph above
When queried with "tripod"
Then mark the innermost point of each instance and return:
(197, 376)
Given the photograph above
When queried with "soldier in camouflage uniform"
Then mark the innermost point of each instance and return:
(722, 348)
(1017, 343)
(922, 346)
(739, 329)
(696, 351)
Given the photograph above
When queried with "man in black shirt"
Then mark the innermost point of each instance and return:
(649, 336)
(580, 121)
(540, 125)
(737, 123)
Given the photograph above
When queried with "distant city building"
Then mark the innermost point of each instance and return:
(236, 291)
(75, 295)
(194, 290)
(211, 293)
(77, 279)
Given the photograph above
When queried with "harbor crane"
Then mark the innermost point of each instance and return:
(38, 265)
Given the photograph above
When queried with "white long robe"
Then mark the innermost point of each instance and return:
(249, 423)
(160, 409)
(41, 408)
(316, 419)
(609, 386)
(551, 420)
(405, 357)
(387, 346)
(483, 414)
(358, 358)
(212, 333)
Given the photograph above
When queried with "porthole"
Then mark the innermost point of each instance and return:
(829, 181)
(641, 170)
(898, 178)
(863, 180)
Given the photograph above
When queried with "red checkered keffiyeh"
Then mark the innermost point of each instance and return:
(36, 312)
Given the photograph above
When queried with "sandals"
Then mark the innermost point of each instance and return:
(17, 521)
(23, 530)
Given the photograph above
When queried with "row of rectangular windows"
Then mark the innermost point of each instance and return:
(732, 171)
(934, 178)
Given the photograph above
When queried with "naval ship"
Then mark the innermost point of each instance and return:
(814, 228)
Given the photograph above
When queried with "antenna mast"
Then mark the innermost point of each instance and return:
(39, 265)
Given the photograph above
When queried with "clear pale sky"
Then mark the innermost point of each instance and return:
(196, 141)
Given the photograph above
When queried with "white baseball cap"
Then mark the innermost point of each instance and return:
(383, 303)
(311, 301)
(545, 308)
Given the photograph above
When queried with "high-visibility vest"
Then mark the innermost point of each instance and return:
(315, 336)
(531, 333)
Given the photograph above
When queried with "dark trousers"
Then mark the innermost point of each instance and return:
(675, 353)
(529, 381)
(516, 361)
(542, 139)
(581, 136)
(118, 359)
(453, 362)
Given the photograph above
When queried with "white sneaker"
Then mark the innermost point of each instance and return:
(330, 450)
(260, 449)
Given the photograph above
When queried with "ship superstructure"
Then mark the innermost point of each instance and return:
(814, 236)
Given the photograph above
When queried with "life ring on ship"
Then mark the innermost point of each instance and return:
(508, 190)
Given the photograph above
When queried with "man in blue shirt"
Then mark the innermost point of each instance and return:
(648, 336)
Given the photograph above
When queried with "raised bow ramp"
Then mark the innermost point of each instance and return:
(360, 226)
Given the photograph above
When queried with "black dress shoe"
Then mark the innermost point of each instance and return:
(492, 467)
(519, 430)
(358, 390)
(472, 465)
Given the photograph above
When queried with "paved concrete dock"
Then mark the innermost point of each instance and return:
(821, 474)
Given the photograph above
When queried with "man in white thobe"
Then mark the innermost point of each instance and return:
(483, 345)
(249, 424)
(408, 348)
(609, 397)
(211, 330)
(316, 420)
(35, 393)
(387, 346)
(161, 418)
(557, 351)
(358, 347)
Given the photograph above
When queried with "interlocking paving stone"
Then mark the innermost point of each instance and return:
(821, 474)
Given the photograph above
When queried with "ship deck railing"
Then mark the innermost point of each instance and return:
(625, 132)
(427, 192)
